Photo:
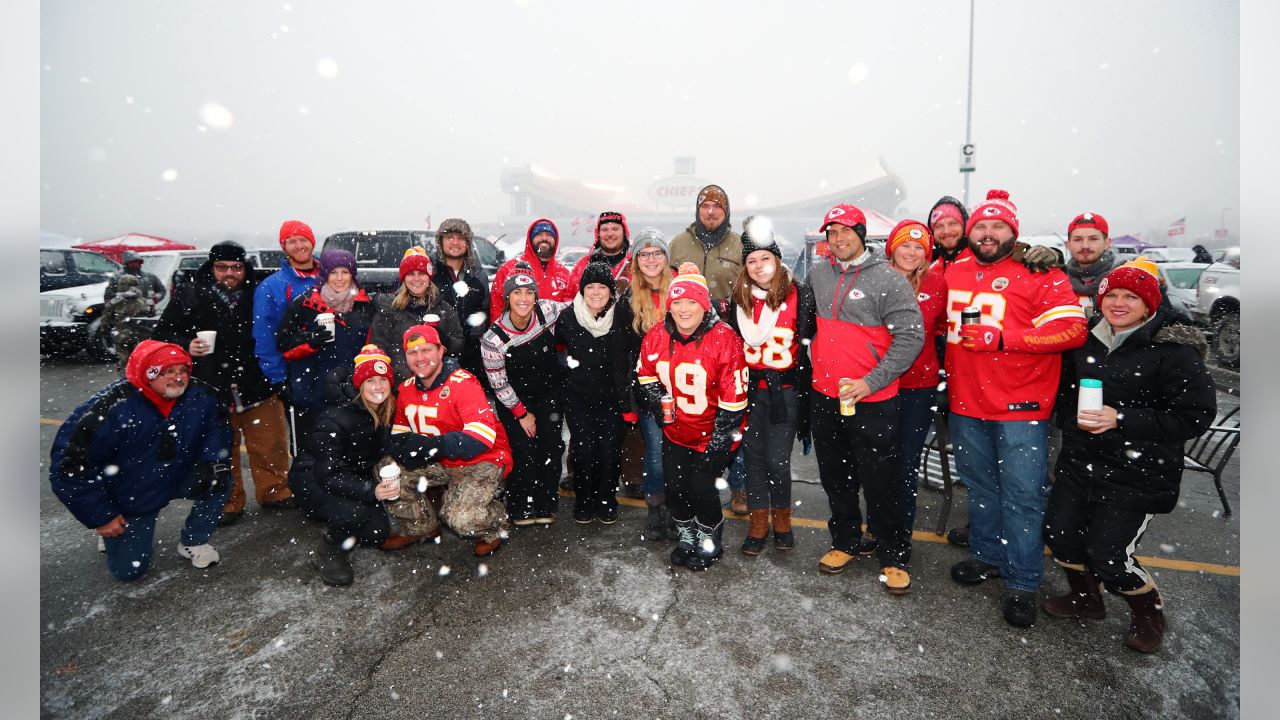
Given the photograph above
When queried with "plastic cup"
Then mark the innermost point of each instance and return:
(327, 320)
(209, 337)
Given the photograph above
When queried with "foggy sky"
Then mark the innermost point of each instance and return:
(354, 115)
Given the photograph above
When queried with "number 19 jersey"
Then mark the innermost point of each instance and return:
(701, 376)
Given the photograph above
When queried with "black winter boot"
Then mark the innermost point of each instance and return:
(655, 523)
(709, 547)
(1146, 629)
(333, 563)
(686, 548)
(1083, 601)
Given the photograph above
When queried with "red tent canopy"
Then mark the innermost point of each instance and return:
(114, 247)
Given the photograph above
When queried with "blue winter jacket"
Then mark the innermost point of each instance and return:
(117, 455)
(270, 301)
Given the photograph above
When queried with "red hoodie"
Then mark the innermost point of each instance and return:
(553, 279)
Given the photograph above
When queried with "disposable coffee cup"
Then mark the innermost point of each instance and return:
(390, 475)
(1090, 398)
(208, 336)
(327, 320)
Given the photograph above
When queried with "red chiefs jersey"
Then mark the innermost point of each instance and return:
(701, 376)
(456, 405)
(781, 349)
(932, 295)
(1038, 318)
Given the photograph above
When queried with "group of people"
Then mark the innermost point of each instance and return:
(441, 404)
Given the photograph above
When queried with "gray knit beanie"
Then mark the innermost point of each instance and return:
(650, 237)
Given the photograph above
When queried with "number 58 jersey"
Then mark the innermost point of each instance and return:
(702, 374)
(457, 404)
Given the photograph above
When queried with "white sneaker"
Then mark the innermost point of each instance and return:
(102, 543)
(202, 556)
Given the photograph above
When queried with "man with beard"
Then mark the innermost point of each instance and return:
(445, 433)
(464, 285)
(220, 298)
(611, 247)
(297, 274)
(139, 443)
(711, 244)
(1002, 378)
(541, 242)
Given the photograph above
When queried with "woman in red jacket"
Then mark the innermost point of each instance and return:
(909, 248)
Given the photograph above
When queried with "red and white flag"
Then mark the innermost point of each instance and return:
(1179, 227)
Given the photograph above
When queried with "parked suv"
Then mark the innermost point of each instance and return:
(72, 283)
(378, 254)
(1218, 307)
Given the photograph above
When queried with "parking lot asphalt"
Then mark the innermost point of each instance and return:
(574, 621)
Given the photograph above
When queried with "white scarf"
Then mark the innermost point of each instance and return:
(597, 326)
(756, 334)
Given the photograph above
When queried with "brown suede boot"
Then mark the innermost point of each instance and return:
(1146, 629)
(1083, 601)
(757, 533)
(783, 538)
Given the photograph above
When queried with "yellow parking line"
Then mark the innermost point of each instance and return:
(926, 536)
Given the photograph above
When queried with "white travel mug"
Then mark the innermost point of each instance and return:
(1090, 398)
(209, 337)
(327, 320)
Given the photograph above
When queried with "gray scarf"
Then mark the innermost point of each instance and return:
(1084, 280)
(341, 302)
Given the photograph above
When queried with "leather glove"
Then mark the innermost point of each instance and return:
(980, 338)
(1037, 258)
(318, 336)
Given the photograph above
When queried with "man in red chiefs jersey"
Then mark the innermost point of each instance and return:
(869, 332)
(444, 432)
(697, 360)
(1002, 377)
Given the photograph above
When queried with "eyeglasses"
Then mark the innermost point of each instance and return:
(229, 267)
(175, 371)
(650, 254)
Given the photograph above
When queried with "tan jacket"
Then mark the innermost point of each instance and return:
(720, 266)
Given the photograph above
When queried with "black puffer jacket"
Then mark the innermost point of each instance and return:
(466, 305)
(1157, 381)
(600, 368)
(197, 306)
(344, 448)
(389, 324)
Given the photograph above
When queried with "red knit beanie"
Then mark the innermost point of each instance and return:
(296, 227)
(690, 286)
(415, 258)
(372, 362)
(997, 206)
(1136, 280)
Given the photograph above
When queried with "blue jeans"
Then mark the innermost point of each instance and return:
(1006, 466)
(915, 415)
(654, 483)
(129, 553)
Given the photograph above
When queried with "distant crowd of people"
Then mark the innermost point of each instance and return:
(388, 417)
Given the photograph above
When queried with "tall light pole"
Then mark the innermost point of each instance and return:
(968, 110)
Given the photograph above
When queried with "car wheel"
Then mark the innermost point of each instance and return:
(1226, 340)
(101, 347)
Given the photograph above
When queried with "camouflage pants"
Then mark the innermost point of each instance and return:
(469, 506)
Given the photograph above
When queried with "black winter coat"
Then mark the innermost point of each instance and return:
(466, 305)
(344, 448)
(600, 368)
(389, 324)
(197, 306)
(1157, 381)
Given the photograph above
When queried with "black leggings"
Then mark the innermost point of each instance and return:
(691, 490)
(533, 487)
(596, 431)
(349, 518)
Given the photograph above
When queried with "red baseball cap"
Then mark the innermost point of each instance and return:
(843, 214)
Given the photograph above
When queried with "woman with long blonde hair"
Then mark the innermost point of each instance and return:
(651, 276)
(417, 301)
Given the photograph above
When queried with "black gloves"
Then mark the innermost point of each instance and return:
(413, 450)
(317, 337)
(208, 478)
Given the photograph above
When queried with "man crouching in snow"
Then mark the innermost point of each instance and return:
(136, 445)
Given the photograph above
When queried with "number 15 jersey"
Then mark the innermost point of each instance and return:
(701, 375)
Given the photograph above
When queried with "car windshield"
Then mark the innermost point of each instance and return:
(91, 262)
(381, 250)
(1184, 278)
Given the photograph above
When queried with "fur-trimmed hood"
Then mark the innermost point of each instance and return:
(1183, 335)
